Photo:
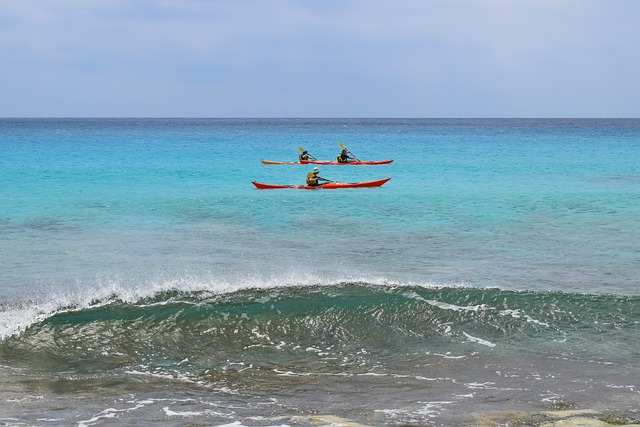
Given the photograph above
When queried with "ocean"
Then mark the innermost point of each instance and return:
(494, 280)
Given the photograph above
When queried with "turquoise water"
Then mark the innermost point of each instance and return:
(145, 276)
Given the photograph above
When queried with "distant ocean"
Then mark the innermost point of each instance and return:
(494, 280)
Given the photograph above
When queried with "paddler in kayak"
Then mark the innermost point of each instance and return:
(314, 179)
(344, 156)
(304, 156)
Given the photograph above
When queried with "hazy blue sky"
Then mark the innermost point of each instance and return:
(324, 58)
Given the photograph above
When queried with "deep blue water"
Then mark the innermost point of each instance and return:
(143, 274)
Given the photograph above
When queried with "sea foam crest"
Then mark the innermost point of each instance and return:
(17, 316)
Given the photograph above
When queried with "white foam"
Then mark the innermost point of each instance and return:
(449, 356)
(478, 340)
(171, 413)
(108, 413)
(430, 409)
(447, 306)
(517, 314)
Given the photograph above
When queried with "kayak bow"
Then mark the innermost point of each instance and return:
(329, 162)
(328, 185)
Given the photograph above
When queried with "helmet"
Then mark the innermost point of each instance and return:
(316, 170)
(304, 152)
(344, 151)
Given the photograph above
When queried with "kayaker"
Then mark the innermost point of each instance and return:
(344, 156)
(304, 156)
(313, 178)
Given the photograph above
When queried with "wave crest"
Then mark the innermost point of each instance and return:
(345, 323)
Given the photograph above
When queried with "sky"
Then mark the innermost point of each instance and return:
(322, 58)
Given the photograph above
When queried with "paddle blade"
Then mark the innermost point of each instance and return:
(300, 148)
(342, 145)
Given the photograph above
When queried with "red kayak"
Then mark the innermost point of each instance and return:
(329, 162)
(329, 185)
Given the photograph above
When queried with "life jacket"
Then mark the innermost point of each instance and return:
(303, 158)
(342, 158)
(312, 179)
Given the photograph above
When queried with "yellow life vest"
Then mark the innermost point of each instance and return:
(312, 179)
